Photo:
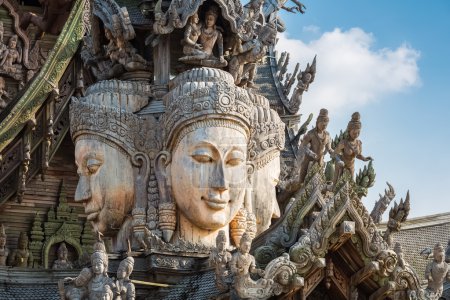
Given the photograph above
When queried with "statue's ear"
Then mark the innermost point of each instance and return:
(250, 171)
(162, 173)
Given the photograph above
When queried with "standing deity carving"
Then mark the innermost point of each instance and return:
(316, 143)
(220, 259)
(62, 262)
(3, 250)
(436, 273)
(349, 148)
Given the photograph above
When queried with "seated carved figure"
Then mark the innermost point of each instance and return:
(21, 257)
(203, 168)
(62, 262)
(208, 37)
(267, 140)
(242, 265)
(11, 58)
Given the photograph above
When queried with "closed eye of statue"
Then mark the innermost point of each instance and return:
(202, 156)
(93, 165)
(235, 158)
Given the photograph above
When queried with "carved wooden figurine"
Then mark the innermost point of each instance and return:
(62, 262)
(11, 58)
(316, 143)
(349, 148)
(220, 258)
(242, 265)
(3, 94)
(208, 36)
(124, 288)
(3, 250)
(436, 273)
(21, 257)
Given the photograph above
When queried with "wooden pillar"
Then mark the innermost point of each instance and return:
(161, 59)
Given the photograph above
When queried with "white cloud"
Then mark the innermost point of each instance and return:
(311, 29)
(350, 73)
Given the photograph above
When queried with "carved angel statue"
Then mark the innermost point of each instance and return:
(349, 148)
(436, 273)
(304, 79)
(244, 62)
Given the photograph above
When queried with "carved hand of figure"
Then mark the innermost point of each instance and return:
(367, 158)
(69, 280)
(222, 59)
(198, 46)
(341, 163)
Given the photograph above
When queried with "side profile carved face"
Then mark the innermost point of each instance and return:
(106, 184)
(265, 205)
(208, 175)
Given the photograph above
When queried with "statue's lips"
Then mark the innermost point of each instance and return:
(216, 203)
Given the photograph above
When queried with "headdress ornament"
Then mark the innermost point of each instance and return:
(204, 97)
(355, 122)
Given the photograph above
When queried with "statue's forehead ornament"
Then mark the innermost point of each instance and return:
(205, 98)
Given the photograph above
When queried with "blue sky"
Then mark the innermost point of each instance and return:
(389, 60)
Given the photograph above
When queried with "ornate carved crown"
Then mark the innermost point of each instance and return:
(204, 97)
(106, 114)
(267, 133)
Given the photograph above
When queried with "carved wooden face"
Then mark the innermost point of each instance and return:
(106, 184)
(208, 175)
(97, 266)
(264, 199)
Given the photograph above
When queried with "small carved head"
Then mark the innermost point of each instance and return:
(125, 268)
(245, 243)
(12, 43)
(354, 126)
(322, 119)
(221, 241)
(438, 253)
(211, 16)
(99, 261)
(23, 241)
(62, 251)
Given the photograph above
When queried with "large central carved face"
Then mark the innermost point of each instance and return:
(106, 184)
(208, 175)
